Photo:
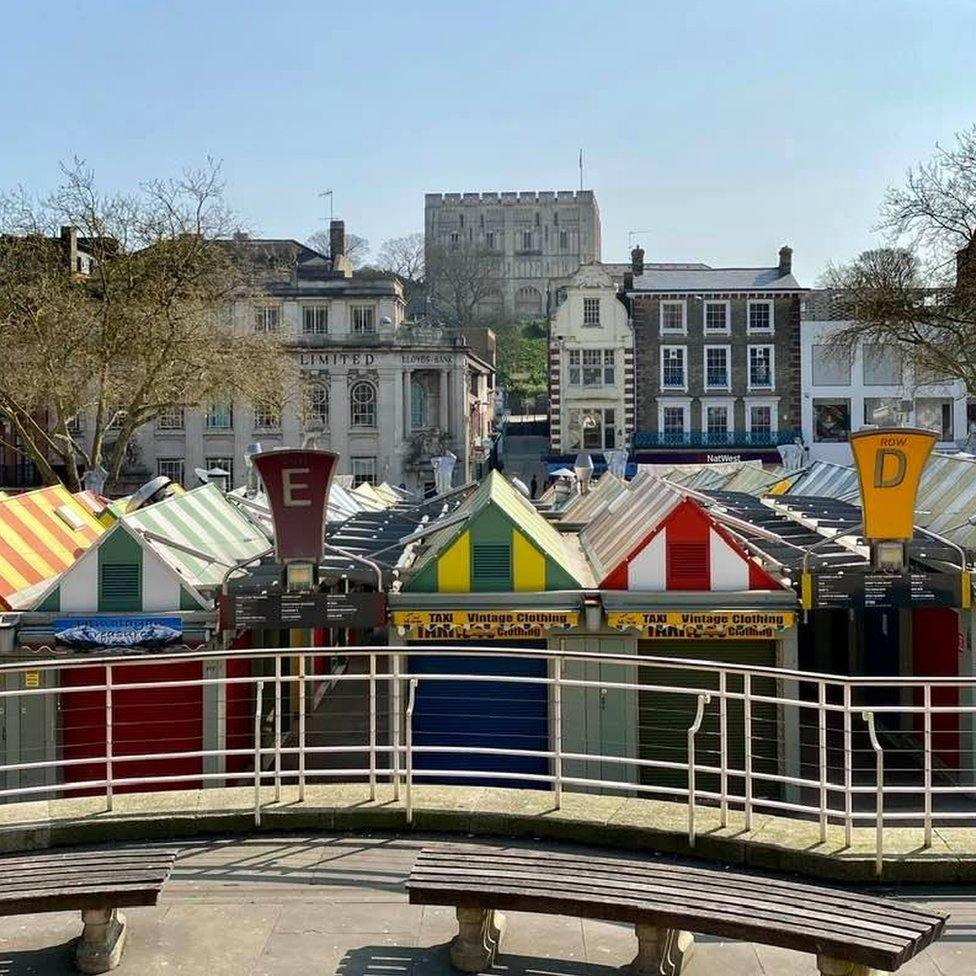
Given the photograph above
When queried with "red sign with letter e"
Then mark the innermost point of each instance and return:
(297, 485)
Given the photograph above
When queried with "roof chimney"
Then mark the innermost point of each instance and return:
(69, 239)
(628, 280)
(337, 238)
(637, 260)
(785, 260)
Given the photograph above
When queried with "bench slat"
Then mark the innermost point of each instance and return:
(717, 902)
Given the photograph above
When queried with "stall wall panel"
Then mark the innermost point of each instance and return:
(489, 714)
(935, 650)
(144, 720)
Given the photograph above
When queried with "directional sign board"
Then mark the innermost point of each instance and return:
(281, 611)
(869, 591)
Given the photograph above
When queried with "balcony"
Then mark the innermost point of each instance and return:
(644, 439)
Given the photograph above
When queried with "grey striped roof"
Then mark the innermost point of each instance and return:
(828, 480)
(714, 279)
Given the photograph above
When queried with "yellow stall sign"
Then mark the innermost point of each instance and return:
(704, 625)
(889, 467)
(475, 624)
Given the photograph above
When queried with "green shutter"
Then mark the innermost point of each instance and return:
(491, 567)
(119, 587)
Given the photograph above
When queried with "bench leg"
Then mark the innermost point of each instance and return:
(829, 966)
(479, 935)
(100, 947)
(660, 951)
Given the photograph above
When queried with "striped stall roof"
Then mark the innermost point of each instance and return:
(584, 508)
(827, 480)
(42, 533)
(204, 520)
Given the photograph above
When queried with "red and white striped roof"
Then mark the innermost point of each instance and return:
(688, 550)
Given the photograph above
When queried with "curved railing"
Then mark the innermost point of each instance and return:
(843, 750)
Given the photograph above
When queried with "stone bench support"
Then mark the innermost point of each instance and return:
(102, 941)
(480, 931)
(829, 966)
(661, 951)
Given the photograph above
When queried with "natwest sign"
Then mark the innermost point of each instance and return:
(297, 485)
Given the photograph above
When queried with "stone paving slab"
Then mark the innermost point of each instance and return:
(773, 843)
(318, 904)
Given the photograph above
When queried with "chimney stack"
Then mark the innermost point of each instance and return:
(69, 238)
(337, 238)
(637, 260)
(785, 260)
(628, 280)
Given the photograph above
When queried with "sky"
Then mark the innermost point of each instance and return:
(717, 130)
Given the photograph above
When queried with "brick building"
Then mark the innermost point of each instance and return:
(717, 360)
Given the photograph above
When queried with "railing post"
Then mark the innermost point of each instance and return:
(879, 795)
(372, 726)
(822, 751)
(258, 704)
(747, 745)
(301, 727)
(395, 730)
(848, 770)
(557, 727)
(927, 759)
(277, 730)
(409, 758)
(109, 773)
(703, 700)
(723, 729)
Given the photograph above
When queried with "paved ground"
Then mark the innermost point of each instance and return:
(278, 906)
(524, 457)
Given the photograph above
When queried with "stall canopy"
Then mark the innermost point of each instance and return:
(495, 542)
(42, 533)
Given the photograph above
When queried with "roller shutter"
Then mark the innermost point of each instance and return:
(664, 717)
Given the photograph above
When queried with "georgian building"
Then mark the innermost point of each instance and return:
(591, 365)
(536, 236)
(717, 358)
(385, 394)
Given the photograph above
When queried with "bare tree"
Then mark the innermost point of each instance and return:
(135, 326)
(919, 294)
(463, 282)
(357, 248)
(404, 257)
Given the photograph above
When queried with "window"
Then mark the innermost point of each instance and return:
(363, 469)
(363, 319)
(760, 367)
(592, 429)
(117, 420)
(171, 468)
(717, 424)
(672, 316)
(716, 316)
(315, 319)
(673, 424)
(362, 405)
(717, 367)
(882, 366)
(267, 416)
(425, 399)
(564, 240)
(831, 367)
(673, 367)
(170, 419)
(591, 367)
(760, 420)
(831, 420)
(221, 464)
(73, 425)
(454, 240)
(882, 411)
(219, 416)
(316, 404)
(267, 318)
(490, 240)
(935, 414)
(760, 317)
(591, 311)
(526, 240)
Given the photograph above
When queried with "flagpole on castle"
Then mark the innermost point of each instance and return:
(581, 170)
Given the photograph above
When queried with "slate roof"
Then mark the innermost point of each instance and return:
(655, 279)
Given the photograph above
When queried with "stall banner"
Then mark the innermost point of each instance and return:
(297, 485)
(507, 624)
(889, 467)
(704, 625)
(129, 631)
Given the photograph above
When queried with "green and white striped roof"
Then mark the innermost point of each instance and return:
(204, 521)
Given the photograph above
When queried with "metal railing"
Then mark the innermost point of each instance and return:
(852, 752)
(705, 438)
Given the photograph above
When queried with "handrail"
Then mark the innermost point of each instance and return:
(703, 700)
(409, 759)
(879, 796)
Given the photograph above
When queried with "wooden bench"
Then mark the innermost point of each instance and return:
(96, 882)
(851, 934)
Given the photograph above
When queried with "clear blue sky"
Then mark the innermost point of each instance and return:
(722, 129)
